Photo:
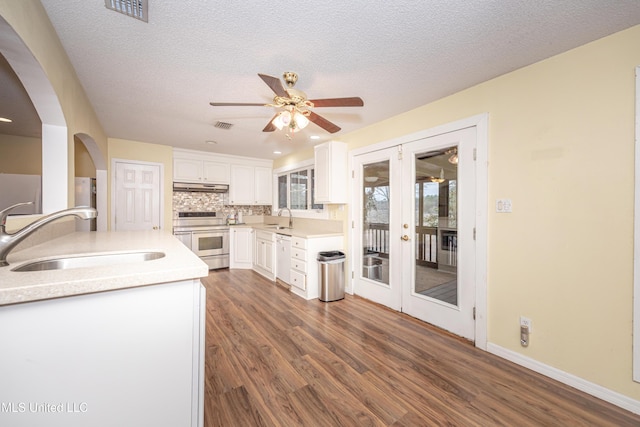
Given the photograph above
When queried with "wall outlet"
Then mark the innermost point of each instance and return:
(525, 321)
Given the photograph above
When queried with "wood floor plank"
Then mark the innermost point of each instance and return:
(275, 359)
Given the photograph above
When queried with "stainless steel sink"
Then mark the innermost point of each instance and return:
(280, 227)
(95, 260)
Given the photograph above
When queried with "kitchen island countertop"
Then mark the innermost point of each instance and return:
(179, 263)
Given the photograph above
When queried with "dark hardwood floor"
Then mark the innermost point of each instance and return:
(274, 359)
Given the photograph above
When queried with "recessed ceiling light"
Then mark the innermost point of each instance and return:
(211, 142)
(3, 119)
(314, 137)
(277, 152)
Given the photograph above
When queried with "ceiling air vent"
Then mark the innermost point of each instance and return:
(223, 125)
(134, 8)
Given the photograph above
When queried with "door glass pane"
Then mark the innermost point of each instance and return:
(436, 230)
(375, 221)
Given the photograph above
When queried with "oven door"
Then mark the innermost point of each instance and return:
(209, 243)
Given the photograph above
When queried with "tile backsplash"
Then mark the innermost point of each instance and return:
(212, 202)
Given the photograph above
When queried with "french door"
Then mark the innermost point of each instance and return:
(414, 222)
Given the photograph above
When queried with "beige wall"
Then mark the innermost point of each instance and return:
(140, 151)
(29, 20)
(561, 146)
(20, 155)
(83, 163)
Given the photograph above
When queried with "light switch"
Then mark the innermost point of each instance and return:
(503, 205)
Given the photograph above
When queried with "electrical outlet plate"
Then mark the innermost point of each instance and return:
(503, 206)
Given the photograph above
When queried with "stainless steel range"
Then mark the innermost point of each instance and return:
(206, 234)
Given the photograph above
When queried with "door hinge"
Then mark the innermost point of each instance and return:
(353, 275)
(353, 224)
(399, 152)
(475, 154)
(474, 313)
(353, 174)
(474, 233)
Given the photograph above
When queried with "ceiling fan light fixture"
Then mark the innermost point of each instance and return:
(300, 120)
(439, 179)
(453, 159)
(293, 121)
(282, 120)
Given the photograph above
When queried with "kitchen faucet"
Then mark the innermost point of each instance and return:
(290, 216)
(9, 240)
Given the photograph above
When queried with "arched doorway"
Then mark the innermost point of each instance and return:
(55, 143)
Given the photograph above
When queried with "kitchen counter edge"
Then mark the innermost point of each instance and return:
(178, 264)
(295, 232)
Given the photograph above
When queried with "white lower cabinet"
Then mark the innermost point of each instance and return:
(305, 277)
(129, 357)
(241, 247)
(264, 259)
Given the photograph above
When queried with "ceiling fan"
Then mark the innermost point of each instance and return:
(296, 108)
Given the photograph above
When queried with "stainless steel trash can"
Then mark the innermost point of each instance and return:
(331, 264)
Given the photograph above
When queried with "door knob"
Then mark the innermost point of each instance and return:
(405, 237)
(155, 227)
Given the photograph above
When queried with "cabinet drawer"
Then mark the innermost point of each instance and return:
(300, 254)
(301, 266)
(298, 242)
(265, 235)
(298, 280)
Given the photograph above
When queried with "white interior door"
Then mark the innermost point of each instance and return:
(137, 196)
(416, 229)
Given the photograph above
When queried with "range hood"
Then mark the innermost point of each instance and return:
(200, 187)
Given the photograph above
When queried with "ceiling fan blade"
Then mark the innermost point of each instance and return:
(236, 104)
(338, 102)
(323, 123)
(270, 127)
(275, 84)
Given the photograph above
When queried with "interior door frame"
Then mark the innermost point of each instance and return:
(480, 123)
(112, 211)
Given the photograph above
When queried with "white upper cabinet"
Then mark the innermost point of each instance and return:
(241, 187)
(250, 180)
(263, 185)
(251, 185)
(331, 172)
(187, 170)
(190, 167)
(215, 172)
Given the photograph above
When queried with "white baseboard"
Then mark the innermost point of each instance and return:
(566, 378)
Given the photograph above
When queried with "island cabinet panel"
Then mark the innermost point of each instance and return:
(131, 357)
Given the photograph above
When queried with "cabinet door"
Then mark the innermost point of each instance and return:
(215, 172)
(322, 174)
(241, 248)
(187, 170)
(241, 186)
(331, 174)
(263, 185)
(270, 257)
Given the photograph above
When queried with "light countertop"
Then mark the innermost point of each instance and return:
(178, 264)
(301, 231)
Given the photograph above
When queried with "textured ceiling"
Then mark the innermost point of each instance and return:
(153, 81)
